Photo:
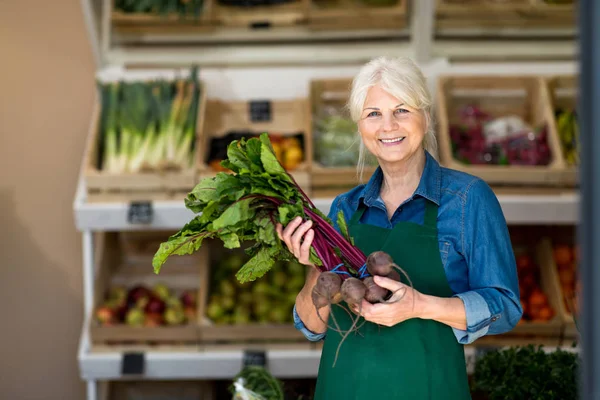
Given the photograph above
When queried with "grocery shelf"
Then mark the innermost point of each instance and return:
(556, 208)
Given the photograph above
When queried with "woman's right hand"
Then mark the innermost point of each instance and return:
(298, 237)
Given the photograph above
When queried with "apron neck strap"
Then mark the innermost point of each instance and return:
(431, 212)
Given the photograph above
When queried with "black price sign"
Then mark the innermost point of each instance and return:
(140, 212)
(260, 111)
(255, 357)
(133, 364)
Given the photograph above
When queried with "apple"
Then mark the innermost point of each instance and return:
(153, 319)
(188, 298)
(136, 293)
(161, 291)
(105, 315)
(226, 288)
(174, 316)
(215, 311)
(562, 254)
(155, 306)
(524, 262)
(135, 317)
(117, 293)
(173, 302)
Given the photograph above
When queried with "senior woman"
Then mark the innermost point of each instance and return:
(445, 228)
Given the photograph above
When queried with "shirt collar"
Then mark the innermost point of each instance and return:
(429, 185)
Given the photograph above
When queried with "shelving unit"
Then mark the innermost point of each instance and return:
(235, 60)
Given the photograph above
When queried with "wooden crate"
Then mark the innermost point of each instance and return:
(230, 334)
(150, 23)
(287, 118)
(552, 328)
(260, 17)
(570, 329)
(563, 93)
(523, 96)
(355, 15)
(330, 181)
(125, 260)
(141, 186)
(524, 14)
(141, 390)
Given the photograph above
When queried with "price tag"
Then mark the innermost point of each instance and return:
(140, 212)
(255, 357)
(260, 25)
(133, 364)
(260, 111)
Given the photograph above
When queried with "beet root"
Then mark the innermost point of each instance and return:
(353, 291)
(375, 293)
(379, 263)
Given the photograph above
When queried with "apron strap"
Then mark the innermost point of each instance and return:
(431, 212)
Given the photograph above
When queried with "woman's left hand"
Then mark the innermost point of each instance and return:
(393, 312)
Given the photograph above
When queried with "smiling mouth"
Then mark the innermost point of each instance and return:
(393, 140)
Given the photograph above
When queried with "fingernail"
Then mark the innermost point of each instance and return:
(309, 222)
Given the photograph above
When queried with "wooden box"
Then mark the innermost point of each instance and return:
(563, 94)
(125, 260)
(150, 390)
(286, 118)
(565, 299)
(215, 333)
(525, 14)
(356, 15)
(288, 13)
(523, 96)
(139, 186)
(329, 181)
(153, 23)
(549, 286)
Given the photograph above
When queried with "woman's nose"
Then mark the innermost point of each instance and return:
(389, 123)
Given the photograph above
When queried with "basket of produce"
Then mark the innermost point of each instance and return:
(160, 16)
(498, 128)
(133, 305)
(252, 311)
(561, 255)
(522, 14)
(259, 14)
(335, 138)
(143, 143)
(357, 14)
(286, 121)
(563, 106)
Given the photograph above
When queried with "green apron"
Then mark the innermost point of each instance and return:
(416, 359)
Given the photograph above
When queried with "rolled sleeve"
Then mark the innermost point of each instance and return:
(479, 318)
(310, 335)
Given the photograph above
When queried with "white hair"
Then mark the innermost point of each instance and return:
(401, 78)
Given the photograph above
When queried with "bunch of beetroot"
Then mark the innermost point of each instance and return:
(331, 289)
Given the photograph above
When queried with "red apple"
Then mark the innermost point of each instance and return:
(137, 293)
(188, 298)
(155, 305)
(105, 315)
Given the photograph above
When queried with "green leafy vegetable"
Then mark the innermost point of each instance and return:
(246, 206)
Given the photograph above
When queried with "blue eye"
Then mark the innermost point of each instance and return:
(373, 114)
(401, 111)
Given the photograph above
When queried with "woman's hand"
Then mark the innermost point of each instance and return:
(390, 314)
(298, 237)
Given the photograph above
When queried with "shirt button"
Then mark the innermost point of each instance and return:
(494, 318)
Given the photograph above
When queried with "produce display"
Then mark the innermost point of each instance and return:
(148, 126)
(565, 257)
(162, 7)
(254, 3)
(534, 301)
(480, 139)
(568, 132)
(289, 149)
(336, 139)
(266, 301)
(147, 306)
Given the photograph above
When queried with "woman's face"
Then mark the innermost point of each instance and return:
(391, 131)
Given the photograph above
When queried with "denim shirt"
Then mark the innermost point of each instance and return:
(473, 238)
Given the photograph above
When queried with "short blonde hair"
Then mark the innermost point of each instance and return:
(401, 78)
